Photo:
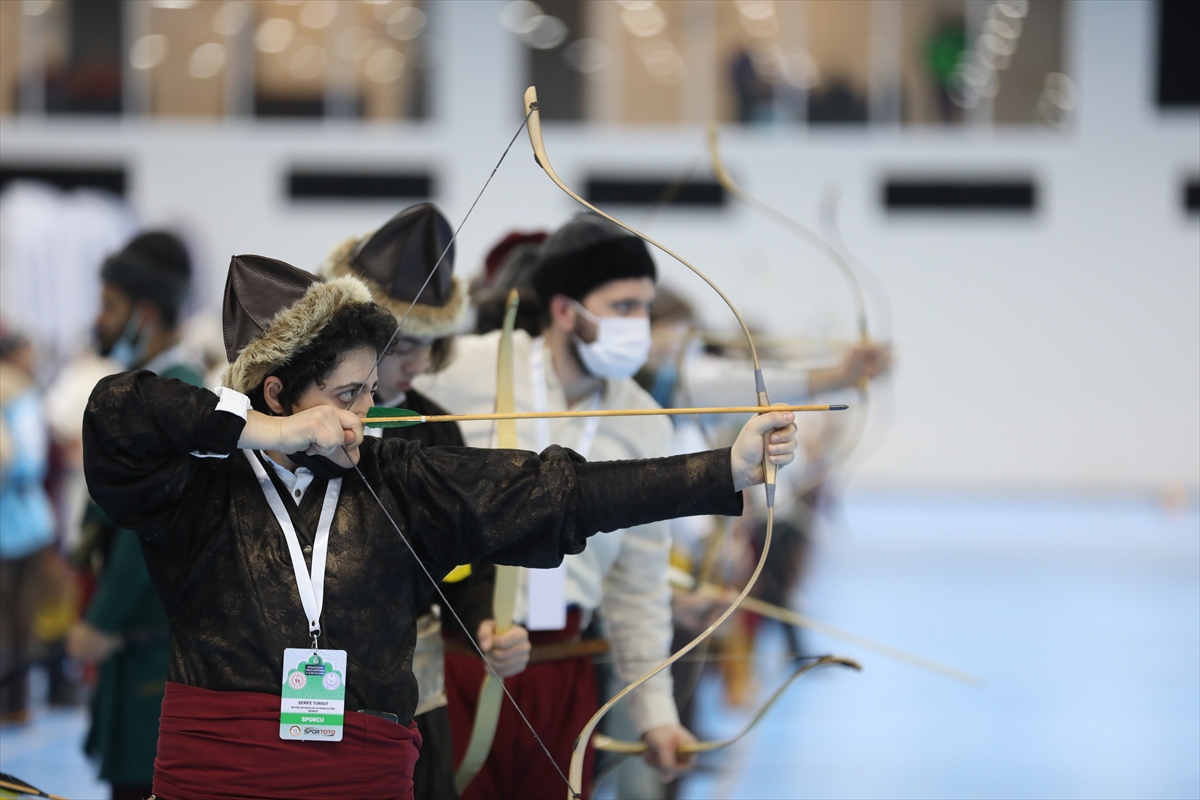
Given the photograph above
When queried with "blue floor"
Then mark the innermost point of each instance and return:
(48, 752)
(1083, 618)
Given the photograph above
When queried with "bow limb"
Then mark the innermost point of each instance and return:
(18, 787)
(803, 231)
(611, 745)
(769, 469)
(504, 596)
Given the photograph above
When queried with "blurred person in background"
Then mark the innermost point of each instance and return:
(124, 628)
(683, 371)
(509, 265)
(395, 262)
(594, 284)
(26, 520)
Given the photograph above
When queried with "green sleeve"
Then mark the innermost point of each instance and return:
(182, 372)
(123, 587)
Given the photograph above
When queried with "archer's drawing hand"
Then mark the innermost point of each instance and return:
(747, 454)
(319, 431)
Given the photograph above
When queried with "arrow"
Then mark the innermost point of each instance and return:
(381, 417)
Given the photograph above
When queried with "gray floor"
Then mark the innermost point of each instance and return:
(1083, 617)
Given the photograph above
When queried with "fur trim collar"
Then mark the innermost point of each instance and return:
(292, 330)
(424, 320)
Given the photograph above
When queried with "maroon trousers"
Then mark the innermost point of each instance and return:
(226, 746)
(558, 698)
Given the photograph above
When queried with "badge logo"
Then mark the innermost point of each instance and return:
(294, 730)
(331, 681)
(297, 680)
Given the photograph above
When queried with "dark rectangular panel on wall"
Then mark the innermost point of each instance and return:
(654, 192)
(304, 184)
(554, 52)
(86, 77)
(1178, 54)
(1191, 197)
(111, 179)
(960, 195)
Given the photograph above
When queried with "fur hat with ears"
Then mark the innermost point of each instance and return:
(395, 262)
(273, 311)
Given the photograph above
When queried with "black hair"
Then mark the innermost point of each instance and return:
(352, 327)
(154, 267)
(578, 272)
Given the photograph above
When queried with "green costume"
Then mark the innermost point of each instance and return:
(128, 700)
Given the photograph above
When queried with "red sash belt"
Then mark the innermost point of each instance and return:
(226, 746)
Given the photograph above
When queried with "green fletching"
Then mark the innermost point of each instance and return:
(389, 415)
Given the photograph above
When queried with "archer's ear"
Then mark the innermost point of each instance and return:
(562, 312)
(272, 386)
(151, 315)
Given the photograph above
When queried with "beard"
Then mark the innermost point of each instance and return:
(102, 345)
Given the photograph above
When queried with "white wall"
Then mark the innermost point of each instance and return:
(1058, 351)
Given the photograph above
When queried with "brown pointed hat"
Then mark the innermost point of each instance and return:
(273, 311)
(395, 261)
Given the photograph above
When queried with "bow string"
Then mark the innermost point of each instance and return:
(498, 681)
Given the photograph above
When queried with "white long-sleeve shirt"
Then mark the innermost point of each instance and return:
(623, 573)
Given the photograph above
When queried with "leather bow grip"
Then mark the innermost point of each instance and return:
(769, 468)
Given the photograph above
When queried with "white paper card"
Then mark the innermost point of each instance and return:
(547, 599)
(313, 701)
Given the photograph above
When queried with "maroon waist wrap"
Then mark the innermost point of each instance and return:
(226, 746)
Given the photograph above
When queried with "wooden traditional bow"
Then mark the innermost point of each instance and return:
(533, 122)
(504, 595)
(611, 745)
(575, 787)
(852, 439)
(20, 788)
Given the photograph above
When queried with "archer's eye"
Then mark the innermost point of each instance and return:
(627, 307)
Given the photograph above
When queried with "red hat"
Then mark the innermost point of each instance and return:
(495, 258)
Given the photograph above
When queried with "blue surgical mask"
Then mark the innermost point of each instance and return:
(131, 347)
(665, 380)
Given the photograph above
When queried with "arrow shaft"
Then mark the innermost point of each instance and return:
(615, 412)
(789, 617)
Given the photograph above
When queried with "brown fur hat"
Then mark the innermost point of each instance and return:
(394, 262)
(264, 338)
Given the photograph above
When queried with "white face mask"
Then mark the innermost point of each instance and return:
(621, 348)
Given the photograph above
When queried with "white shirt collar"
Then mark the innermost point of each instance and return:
(297, 482)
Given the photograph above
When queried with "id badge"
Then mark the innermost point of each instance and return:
(313, 702)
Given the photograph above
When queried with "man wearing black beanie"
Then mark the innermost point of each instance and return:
(125, 627)
(594, 286)
(144, 287)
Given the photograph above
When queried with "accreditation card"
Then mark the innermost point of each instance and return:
(313, 702)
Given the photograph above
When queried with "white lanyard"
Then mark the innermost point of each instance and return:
(537, 369)
(312, 589)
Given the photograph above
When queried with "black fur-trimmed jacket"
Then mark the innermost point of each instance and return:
(221, 566)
